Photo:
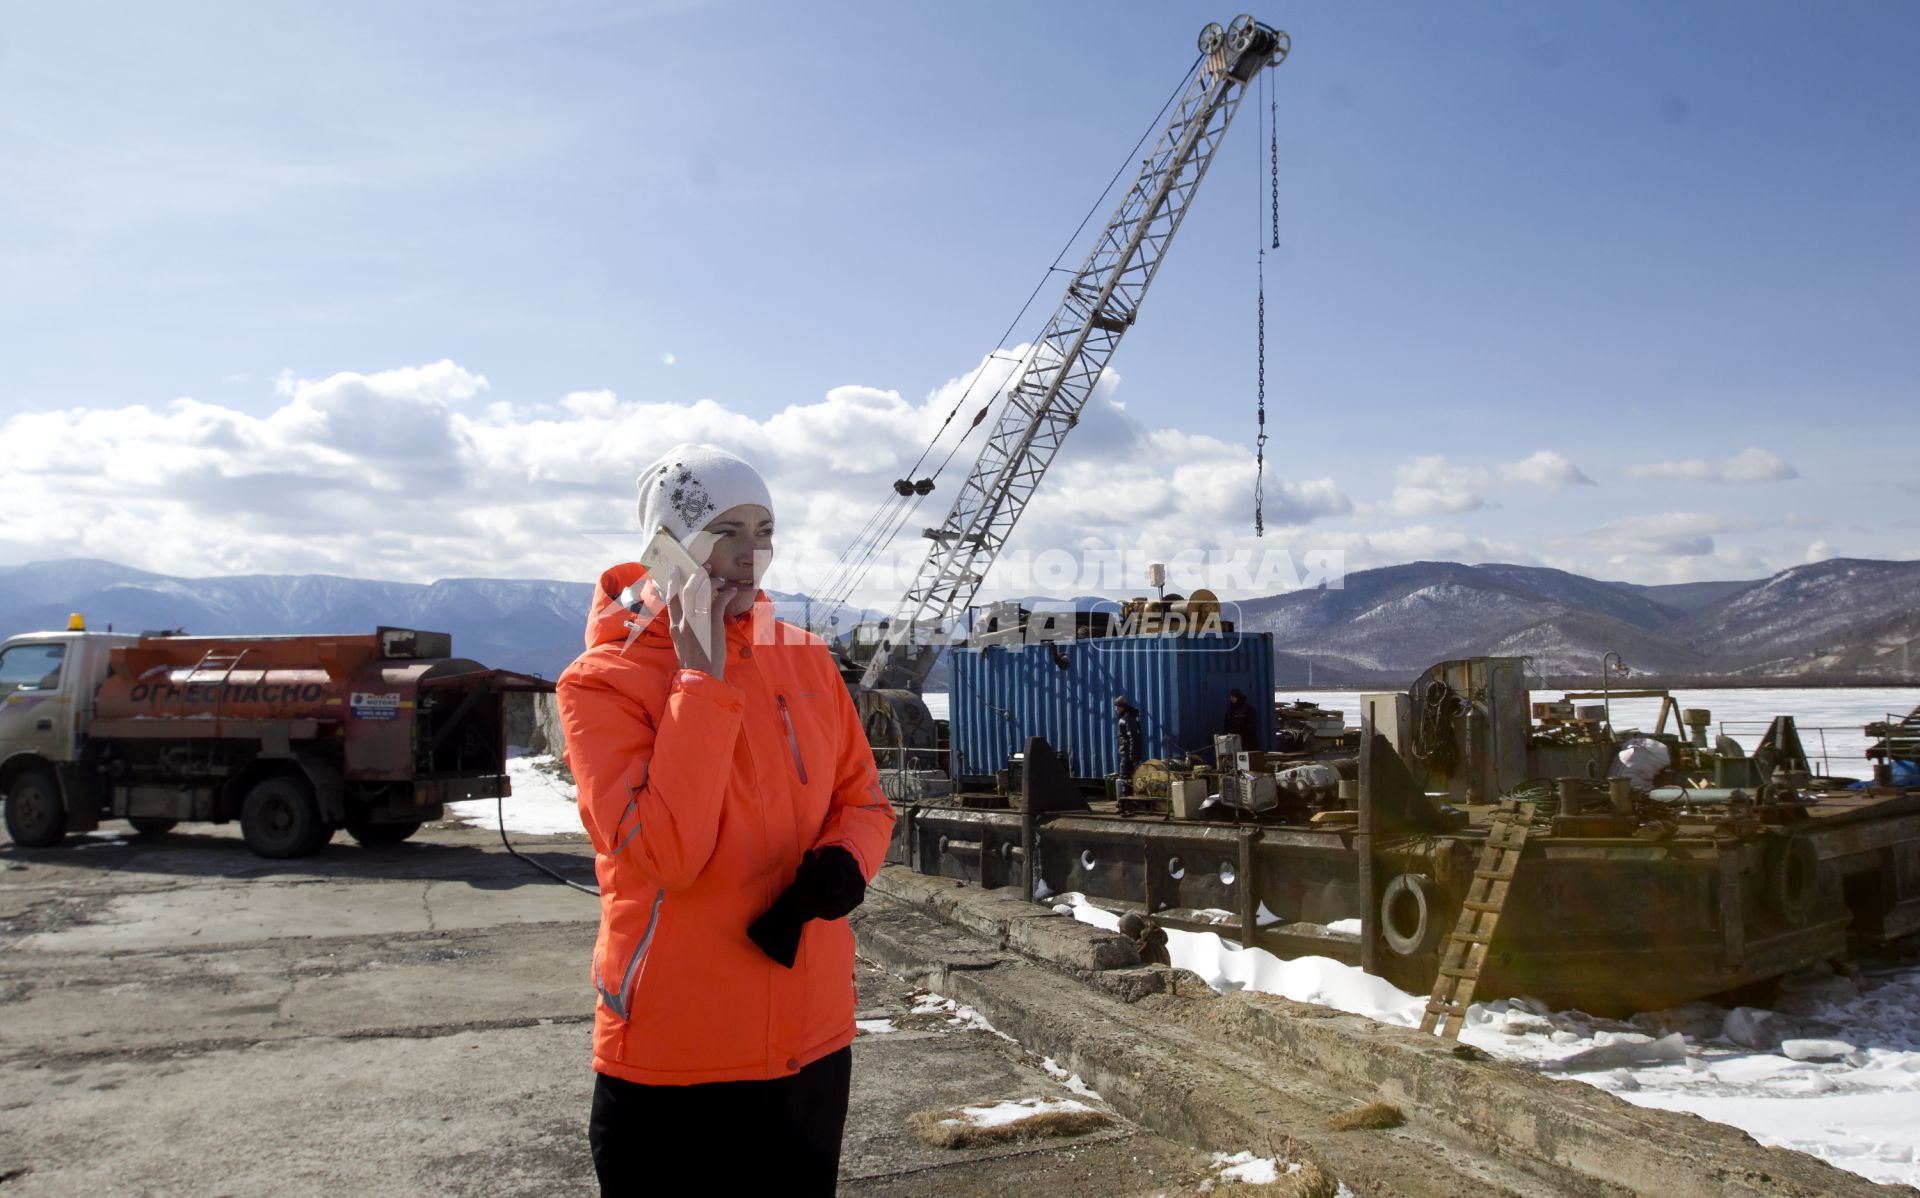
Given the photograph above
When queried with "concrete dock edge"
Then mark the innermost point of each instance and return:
(1258, 1071)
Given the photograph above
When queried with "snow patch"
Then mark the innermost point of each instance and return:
(1070, 1080)
(961, 1016)
(1002, 1113)
(543, 803)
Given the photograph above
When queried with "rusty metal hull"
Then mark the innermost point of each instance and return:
(1610, 926)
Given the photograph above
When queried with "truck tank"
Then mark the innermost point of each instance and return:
(377, 692)
(292, 735)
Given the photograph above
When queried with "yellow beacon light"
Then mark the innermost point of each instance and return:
(75, 623)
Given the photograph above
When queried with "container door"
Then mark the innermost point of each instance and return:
(35, 707)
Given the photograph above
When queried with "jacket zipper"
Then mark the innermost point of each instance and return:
(793, 741)
(622, 1003)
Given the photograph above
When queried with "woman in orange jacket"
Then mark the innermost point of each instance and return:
(736, 818)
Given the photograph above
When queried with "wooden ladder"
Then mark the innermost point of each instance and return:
(1463, 958)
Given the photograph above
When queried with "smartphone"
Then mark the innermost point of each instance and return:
(663, 554)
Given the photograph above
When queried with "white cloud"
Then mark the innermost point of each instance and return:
(1545, 468)
(1668, 534)
(425, 472)
(1672, 547)
(1820, 551)
(1750, 465)
(421, 473)
(1423, 542)
(1431, 485)
(580, 403)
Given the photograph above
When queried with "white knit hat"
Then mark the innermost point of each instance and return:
(686, 487)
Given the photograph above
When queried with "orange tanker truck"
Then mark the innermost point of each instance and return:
(294, 736)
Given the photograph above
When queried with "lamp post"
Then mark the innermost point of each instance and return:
(1608, 665)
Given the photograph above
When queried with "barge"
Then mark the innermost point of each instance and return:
(1659, 868)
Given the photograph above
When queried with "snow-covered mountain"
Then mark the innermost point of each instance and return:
(1848, 618)
(532, 626)
(1844, 617)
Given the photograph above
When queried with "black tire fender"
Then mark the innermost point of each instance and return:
(1410, 915)
(1791, 877)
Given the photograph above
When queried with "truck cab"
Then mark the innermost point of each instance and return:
(47, 682)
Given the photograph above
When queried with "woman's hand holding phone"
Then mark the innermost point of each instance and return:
(697, 615)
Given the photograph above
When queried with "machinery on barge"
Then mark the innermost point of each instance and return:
(1659, 867)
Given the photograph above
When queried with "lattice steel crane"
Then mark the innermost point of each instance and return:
(1045, 401)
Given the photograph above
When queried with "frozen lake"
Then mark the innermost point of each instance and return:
(1831, 719)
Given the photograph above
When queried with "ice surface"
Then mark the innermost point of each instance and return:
(1816, 1050)
(1624, 1051)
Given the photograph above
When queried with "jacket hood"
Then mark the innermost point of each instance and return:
(620, 610)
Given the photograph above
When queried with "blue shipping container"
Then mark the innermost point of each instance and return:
(999, 695)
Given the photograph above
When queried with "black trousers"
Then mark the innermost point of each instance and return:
(784, 1131)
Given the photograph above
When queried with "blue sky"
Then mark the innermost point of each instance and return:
(414, 290)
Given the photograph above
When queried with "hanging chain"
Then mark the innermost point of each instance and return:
(1273, 157)
(1260, 442)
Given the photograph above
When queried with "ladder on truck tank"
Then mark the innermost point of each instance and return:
(1463, 958)
(216, 659)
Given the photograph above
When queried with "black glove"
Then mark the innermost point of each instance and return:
(827, 885)
(777, 931)
(830, 882)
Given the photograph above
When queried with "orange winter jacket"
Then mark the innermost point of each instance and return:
(701, 794)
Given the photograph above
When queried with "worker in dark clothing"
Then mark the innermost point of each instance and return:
(1242, 721)
(1131, 740)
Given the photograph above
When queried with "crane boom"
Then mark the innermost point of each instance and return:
(1058, 376)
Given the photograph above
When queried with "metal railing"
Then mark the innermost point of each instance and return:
(1825, 756)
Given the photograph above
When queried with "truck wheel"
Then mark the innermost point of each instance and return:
(373, 834)
(281, 819)
(152, 825)
(36, 818)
